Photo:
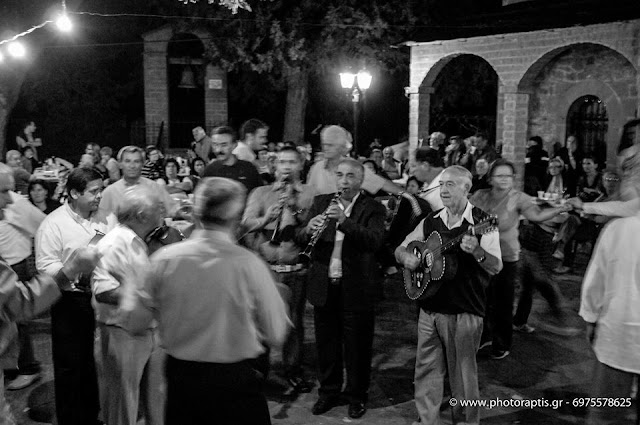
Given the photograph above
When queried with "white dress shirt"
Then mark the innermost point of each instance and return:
(335, 264)
(124, 263)
(61, 233)
(611, 295)
(214, 301)
(244, 152)
(17, 229)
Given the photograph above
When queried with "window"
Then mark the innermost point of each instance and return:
(587, 120)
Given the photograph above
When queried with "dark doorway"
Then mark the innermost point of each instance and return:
(587, 120)
(465, 98)
(186, 88)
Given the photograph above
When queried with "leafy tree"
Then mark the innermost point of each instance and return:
(293, 40)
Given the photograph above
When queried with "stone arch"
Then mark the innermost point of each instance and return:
(613, 103)
(525, 85)
(465, 96)
(562, 75)
(435, 70)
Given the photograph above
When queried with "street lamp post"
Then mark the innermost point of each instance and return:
(357, 84)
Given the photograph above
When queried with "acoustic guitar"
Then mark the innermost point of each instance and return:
(435, 266)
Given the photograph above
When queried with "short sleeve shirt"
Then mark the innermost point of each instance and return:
(508, 210)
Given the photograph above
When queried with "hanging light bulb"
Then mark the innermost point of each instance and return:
(64, 23)
(16, 49)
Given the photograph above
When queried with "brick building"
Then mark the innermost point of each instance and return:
(173, 105)
(551, 82)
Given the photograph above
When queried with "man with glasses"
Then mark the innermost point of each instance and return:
(74, 225)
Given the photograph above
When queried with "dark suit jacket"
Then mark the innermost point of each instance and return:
(364, 235)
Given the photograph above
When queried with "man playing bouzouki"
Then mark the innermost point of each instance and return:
(451, 313)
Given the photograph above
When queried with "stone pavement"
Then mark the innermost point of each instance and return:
(541, 365)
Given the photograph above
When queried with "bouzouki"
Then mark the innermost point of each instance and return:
(436, 267)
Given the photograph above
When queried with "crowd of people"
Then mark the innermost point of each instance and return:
(178, 333)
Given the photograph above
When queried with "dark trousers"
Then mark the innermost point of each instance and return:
(214, 393)
(536, 274)
(499, 319)
(27, 363)
(74, 369)
(349, 332)
(294, 344)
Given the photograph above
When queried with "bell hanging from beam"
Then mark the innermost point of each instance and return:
(188, 80)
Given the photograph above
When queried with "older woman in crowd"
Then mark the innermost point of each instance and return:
(508, 204)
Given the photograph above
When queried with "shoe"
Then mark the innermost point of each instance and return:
(562, 270)
(498, 355)
(300, 385)
(23, 381)
(357, 410)
(324, 404)
(485, 345)
(525, 329)
(558, 255)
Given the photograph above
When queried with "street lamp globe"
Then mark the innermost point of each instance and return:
(16, 49)
(364, 80)
(347, 79)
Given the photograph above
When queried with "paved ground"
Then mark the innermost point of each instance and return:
(541, 365)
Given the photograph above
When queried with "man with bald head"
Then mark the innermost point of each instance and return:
(450, 323)
(336, 143)
(131, 365)
(217, 308)
(342, 287)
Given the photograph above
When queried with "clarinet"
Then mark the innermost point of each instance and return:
(305, 256)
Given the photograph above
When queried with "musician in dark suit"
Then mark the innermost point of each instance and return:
(450, 323)
(341, 287)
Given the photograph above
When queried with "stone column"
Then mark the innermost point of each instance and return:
(215, 97)
(511, 127)
(419, 109)
(156, 94)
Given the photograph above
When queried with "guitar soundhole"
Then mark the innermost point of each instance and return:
(418, 274)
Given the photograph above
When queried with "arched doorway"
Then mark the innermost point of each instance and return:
(464, 99)
(587, 119)
(186, 88)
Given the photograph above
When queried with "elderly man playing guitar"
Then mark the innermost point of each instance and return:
(448, 275)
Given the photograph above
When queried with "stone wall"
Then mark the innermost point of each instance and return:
(582, 66)
(519, 59)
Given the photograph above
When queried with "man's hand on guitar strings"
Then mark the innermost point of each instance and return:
(410, 261)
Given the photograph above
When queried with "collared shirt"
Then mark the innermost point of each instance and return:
(61, 233)
(324, 180)
(124, 264)
(298, 204)
(611, 295)
(433, 197)
(244, 152)
(335, 264)
(490, 242)
(114, 194)
(214, 300)
(17, 229)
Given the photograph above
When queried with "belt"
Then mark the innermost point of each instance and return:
(285, 268)
(335, 280)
